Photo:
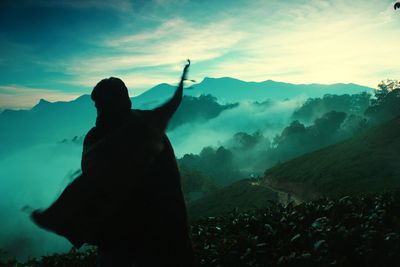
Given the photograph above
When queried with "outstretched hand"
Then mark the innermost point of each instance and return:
(185, 71)
(169, 108)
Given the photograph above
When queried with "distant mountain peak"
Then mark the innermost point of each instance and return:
(82, 97)
(210, 79)
(41, 104)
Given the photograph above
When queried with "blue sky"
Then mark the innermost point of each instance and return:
(59, 50)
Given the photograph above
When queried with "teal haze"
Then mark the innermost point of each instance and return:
(269, 73)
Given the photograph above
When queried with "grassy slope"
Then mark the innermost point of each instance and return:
(366, 163)
(243, 195)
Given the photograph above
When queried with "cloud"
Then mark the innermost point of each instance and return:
(120, 5)
(292, 41)
(312, 42)
(166, 46)
(19, 97)
(320, 41)
(137, 82)
(170, 2)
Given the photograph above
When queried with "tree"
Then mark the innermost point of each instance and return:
(386, 104)
(384, 88)
(294, 129)
(314, 108)
(245, 141)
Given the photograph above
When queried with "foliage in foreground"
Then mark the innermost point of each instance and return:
(352, 231)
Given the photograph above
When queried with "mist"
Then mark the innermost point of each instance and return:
(246, 141)
(35, 176)
(269, 117)
(31, 179)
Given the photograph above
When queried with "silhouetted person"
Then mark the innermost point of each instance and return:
(128, 200)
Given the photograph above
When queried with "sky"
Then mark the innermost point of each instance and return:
(58, 50)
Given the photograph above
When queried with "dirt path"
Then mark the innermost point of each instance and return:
(290, 192)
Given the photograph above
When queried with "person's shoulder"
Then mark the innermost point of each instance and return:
(90, 135)
(91, 132)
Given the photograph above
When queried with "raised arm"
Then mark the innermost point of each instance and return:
(168, 109)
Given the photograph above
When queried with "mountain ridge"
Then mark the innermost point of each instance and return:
(209, 85)
(75, 117)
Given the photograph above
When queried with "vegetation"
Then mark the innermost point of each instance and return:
(365, 163)
(246, 154)
(386, 104)
(194, 181)
(78, 258)
(217, 164)
(352, 231)
(315, 107)
(200, 108)
(240, 196)
(297, 139)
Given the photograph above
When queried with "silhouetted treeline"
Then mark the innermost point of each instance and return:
(331, 119)
(218, 164)
(386, 104)
(315, 107)
(194, 109)
(251, 154)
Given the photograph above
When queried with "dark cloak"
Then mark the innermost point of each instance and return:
(129, 190)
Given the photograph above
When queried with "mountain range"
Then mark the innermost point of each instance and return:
(52, 122)
(230, 90)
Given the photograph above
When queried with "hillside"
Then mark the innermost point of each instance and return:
(241, 196)
(365, 163)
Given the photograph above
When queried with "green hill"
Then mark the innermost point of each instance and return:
(240, 196)
(366, 163)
